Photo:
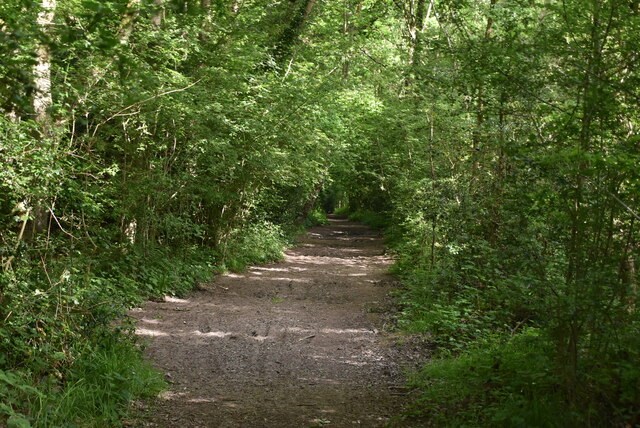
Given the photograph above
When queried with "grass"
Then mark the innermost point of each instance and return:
(96, 391)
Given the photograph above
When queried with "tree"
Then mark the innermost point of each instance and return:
(42, 100)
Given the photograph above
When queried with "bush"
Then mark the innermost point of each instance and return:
(255, 243)
(506, 384)
(371, 218)
(317, 217)
(516, 382)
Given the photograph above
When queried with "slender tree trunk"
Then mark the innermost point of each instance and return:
(628, 271)
(156, 18)
(476, 138)
(581, 212)
(416, 31)
(126, 26)
(348, 29)
(345, 31)
(434, 216)
(310, 5)
(42, 102)
(43, 99)
(234, 8)
(310, 204)
(289, 36)
(205, 10)
(132, 228)
(632, 281)
(544, 10)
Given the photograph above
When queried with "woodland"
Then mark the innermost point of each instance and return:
(146, 145)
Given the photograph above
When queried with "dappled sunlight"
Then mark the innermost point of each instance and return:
(322, 380)
(352, 250)
(222, 306)
(184, 397)
(300, 280)
(201, 400)
(172, 299)
(320, 357)
(296, 330)
(371, 355)
(298, 325)
(211, 333)
(316, 235)
(234, 275)
(326, 260)
(346, 331)
(260, 278)
(280, 269)
(171, 395)
(355, 363)
(329, 330)
(360, 358)
(150, 333)
(260, 338)
(282, 309)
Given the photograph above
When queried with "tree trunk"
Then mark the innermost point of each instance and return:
(416, 33)
(43, 99)
(42, 102)
(348, 28)
(476, 138)
(234, 7)
(310, 204)
(126, 26)
(289, 35)
(631, 280)
(156, 18)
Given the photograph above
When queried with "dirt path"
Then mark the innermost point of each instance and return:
(292, 344)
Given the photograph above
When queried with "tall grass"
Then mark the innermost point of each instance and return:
(96, 391)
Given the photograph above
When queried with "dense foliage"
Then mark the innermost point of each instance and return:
(146, 144)
(166, 151)
(505, 160)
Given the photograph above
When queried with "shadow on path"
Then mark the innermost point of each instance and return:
(291, 344)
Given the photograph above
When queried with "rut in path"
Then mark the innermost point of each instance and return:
(297, 343)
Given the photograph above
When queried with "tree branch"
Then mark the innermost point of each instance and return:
(146, 100)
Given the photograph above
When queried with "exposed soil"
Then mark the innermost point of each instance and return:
(297, 343)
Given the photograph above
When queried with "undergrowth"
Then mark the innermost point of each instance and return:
(495, 330)
(257, 243)
(507, 384)
(512, 381)
(372, 219)
(105, 374)
(317, 217)
(66, 358)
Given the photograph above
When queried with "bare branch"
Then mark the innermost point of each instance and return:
(146, 100)
(58, 223)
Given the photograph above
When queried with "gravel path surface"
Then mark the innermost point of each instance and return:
(297, 343)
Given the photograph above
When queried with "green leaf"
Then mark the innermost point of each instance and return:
(18, 422)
